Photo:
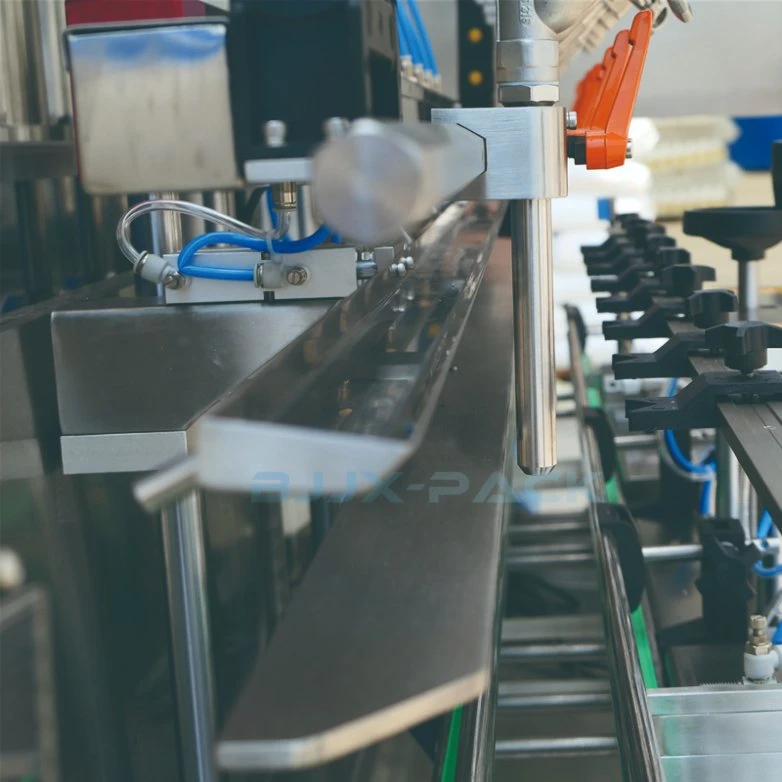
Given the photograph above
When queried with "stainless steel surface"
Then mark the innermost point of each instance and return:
(316, 693)
(718, 732)
(716, 699)
(577, 745)
(383, 178)
(139, 98)
(739, 733)
(533, 293)
(527, 51)
(190, 640)
(525, 150)
(121, 451)
(124, 367)
(29, 106)
(331, 275)
(720, 768)
(269, 171)
(634, 728)
(335, 414)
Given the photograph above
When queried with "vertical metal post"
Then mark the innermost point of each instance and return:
(749, 294)
(728, 478)
(183, 546)
(749, 290)
(190, 640)
(533, 295)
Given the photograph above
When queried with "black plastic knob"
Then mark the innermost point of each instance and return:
(656, 243)
(745, 344)
(712, 307)
(747, 231)
(640, 233)
(684, 279)
(670, 256)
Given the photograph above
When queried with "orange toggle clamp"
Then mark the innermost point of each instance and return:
(605, 98)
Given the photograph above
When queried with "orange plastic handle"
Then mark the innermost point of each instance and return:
(606, 95)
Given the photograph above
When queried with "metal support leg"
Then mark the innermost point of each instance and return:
(533, 294)
(190, 639)
(749, 294)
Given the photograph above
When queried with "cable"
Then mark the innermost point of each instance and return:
(272, 211)
(704, 501)
(186, 265)
(765, 525)
(765, 528)
(413, 41)
(418, 21)
(768, 572)
(704, 469)
(404, 42)
(183, 207)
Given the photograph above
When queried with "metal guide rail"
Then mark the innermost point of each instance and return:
(635, 732)
(676, 734)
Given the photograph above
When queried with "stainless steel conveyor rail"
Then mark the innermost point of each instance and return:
(635, 734)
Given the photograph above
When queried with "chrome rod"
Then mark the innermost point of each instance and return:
(579, 745)
(552, 652)
(559, 700)
(533, 297)
(521, 557)
(190, 640)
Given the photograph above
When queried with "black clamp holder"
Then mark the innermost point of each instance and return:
(724, 582)
(653, 323)
(695, 406)
(706, 309)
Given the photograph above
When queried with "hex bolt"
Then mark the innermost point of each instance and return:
(571, 120)
(297, 275)
(408, 261)
(274, 133)
(398, 269)
(758, 642)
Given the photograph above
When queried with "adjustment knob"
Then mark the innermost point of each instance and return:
(655, 243)
(684, 279)
(640, 233)
(668, 255)
(745, 344)
(710, 308)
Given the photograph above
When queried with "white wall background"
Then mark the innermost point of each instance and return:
(728, 60)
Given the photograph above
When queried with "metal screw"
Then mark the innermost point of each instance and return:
(297, 275)
(629, 149)
(174, 280)
(274, 132)
(758, 642)
(571, 120)
(398, 269)
(408, 261)
(335, 127)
